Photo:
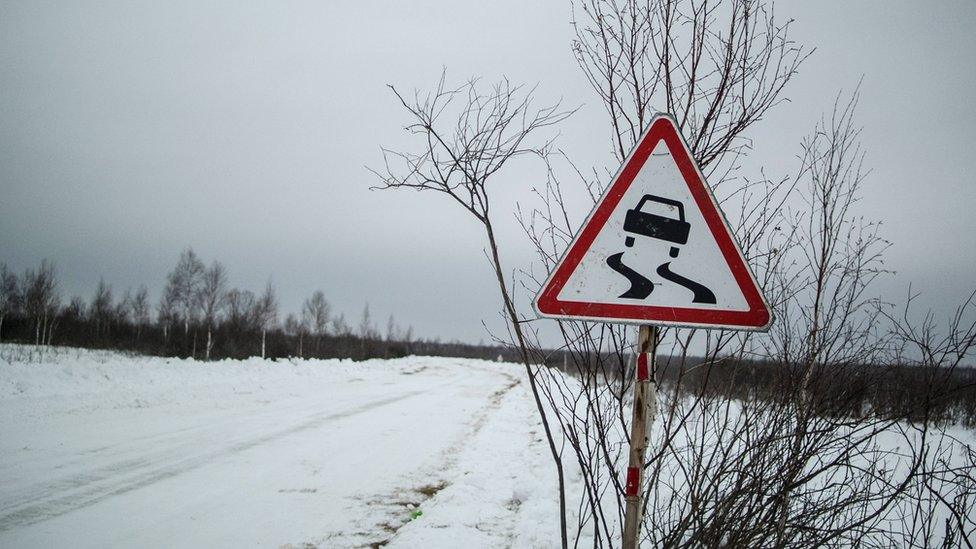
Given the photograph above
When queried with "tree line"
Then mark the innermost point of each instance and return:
(199, 315)
(891, 390)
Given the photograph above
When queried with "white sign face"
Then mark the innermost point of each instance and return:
(656, 249)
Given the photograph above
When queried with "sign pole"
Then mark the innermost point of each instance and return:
(645, 399)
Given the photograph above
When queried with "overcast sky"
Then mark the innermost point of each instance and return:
(130, 130)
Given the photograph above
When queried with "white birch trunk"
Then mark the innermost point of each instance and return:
(209, 342)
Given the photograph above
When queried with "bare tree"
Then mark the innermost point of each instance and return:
(100, 309)
(315, 315)
(39, 295)
(267, 308)
(828, 321)
(408, 337)
(339, 326)
(139, 310)
(120, 313)
(212, 299)
(804, 464)
(242, 311)
(717, 67)
(291, 324)
(941, 504)
(465, 135)
(366, 324)
(9, 295)
(297, 329)
(184, 283)
(168, 309)
(368, 333)
(801, 466)
(75, 310)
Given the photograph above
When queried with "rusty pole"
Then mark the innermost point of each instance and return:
(645, 398)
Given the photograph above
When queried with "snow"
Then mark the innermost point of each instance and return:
(101, 449)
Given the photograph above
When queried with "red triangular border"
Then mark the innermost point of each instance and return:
(758, 317)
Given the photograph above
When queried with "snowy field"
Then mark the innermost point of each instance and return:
(99, 449)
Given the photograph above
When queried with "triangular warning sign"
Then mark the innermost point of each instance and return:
(656, 249)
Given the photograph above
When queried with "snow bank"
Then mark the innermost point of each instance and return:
(49, 380)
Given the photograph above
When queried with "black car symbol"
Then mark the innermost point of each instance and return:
(658, 226)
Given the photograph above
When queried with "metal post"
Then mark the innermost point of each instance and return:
(645, 397)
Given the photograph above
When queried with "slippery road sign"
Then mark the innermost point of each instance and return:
(656, 249)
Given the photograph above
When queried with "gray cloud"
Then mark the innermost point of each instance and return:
(129, 130)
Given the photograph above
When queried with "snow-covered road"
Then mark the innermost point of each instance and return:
(100, 450)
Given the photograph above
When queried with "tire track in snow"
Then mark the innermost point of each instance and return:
(387, 512)
(145, 472)
(173, 444)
